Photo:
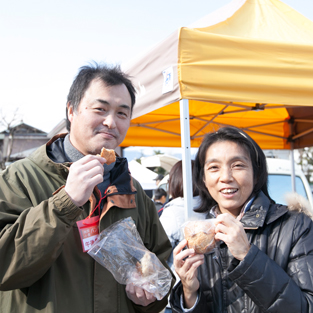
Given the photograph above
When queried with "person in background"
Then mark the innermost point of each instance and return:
(173, 216)
(158, 179)
(159, 198)
(263, 260)
(42, 264)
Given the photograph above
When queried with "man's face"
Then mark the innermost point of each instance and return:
(102, 118)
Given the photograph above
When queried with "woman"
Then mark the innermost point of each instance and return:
(173, 215)
(263, 261)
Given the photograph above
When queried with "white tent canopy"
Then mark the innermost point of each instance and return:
(159, 160)
(143, 175)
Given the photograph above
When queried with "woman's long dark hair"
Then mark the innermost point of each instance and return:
(175, 182)
(239, 137)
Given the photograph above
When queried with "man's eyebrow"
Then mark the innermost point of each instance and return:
(102, 101)
(123, 106)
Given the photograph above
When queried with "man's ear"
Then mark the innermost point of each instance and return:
(70, 111)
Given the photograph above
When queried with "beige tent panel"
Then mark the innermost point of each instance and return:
(148, 79)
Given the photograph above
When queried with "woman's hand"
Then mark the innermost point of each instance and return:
(231, 231)
(186, 264)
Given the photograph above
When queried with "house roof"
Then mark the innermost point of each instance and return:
(24, 129)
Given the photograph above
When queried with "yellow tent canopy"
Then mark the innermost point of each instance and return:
(249, 64)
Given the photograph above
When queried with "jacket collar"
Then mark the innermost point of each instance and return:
(262, 211)
(42, 160)
(121, 192)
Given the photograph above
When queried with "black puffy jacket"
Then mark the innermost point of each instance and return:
(275, 276)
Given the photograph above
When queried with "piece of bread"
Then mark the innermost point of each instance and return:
(108, 154)
(145, 266)
(200, 236)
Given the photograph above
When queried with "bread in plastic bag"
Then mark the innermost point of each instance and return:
(120, 250)
(200, 235)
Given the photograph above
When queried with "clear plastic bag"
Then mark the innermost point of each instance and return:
(200, 235)
(120, 250)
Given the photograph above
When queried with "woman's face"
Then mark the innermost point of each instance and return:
(228, 176)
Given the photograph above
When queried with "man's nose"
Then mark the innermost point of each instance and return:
(109, 121)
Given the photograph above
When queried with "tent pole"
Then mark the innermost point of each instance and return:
(293, 177)
(186, 156)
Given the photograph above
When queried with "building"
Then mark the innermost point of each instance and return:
(20, 140)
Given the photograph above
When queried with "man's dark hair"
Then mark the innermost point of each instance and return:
(159, 193)
(255, 153)
(175, 182)
(109, 75)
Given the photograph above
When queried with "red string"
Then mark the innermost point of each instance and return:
(98, 205)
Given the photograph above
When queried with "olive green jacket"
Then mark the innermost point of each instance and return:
(42, 265)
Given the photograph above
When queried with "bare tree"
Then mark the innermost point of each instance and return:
(306, 162)
(8, 124)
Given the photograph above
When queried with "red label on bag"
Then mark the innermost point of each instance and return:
(88, 231)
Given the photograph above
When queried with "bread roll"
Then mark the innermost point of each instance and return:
(145, 266)
(108, 154)
(200, 235)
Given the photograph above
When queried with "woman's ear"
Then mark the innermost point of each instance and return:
(203, 176)
(255, 180)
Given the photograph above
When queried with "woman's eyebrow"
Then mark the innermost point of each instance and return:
(210, 160)
(235, 158)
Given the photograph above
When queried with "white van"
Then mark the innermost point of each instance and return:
(279, 181)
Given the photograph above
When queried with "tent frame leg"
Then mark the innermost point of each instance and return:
(293, 176)
(292, 159)
(186, 157)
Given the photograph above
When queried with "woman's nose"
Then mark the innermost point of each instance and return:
(226, 174)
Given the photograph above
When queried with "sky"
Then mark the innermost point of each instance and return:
(44, 43)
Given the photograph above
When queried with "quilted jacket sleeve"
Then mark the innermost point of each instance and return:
(282, 284)
(271, 287)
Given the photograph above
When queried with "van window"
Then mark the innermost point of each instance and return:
(279, 184)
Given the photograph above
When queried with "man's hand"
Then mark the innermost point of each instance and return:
(84, 175)
(138, 295)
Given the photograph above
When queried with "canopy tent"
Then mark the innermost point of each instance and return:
(143, 175)
(248, 64)
(159, 160)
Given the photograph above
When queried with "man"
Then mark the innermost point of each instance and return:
(42, 264)
(158, 179)
(159, 198)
